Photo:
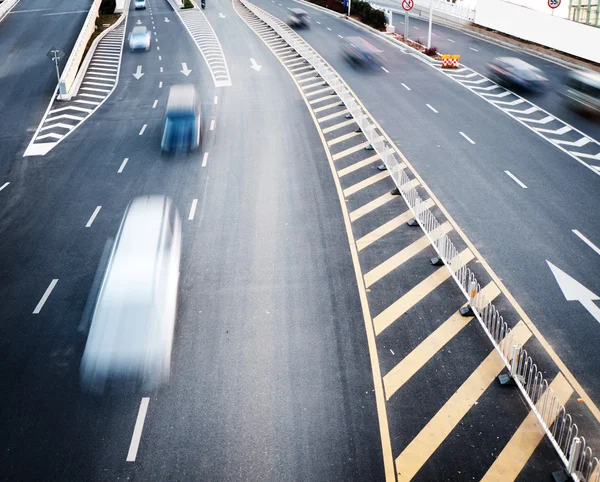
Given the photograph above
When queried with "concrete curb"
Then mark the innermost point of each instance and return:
(90, 54)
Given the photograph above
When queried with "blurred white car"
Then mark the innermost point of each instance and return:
(133, 319)
(140, 4)
(582, 92)
(139, 38)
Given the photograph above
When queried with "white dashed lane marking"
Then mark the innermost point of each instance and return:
(467, 137)
(45, 297)
(514, 178)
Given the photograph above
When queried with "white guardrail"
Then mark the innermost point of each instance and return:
(576, 455)
(69, 73)
(6, 7)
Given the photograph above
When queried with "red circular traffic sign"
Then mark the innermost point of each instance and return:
(554, 3)
(409, 4)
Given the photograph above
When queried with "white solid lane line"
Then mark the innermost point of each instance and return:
(385, 70)
(405, 86)
(122, 165)
(205, 159)
(155, 102)
(432, 108)
(467, 137)
(514, 178)
(193, 209)
(586, 241)
(39, 306)
(474, 50)
(450, 40)
(216, 99)
(417, 28)
(137, 431)
(93, 216)
(212, 125)
(143, 129)
(4, 185)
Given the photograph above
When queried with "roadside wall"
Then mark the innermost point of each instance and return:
(554, 32)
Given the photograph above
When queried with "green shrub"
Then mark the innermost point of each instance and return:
(107, 7)
(376, 19)
(188, 4)
(369, 15)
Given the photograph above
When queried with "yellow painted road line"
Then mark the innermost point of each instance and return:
(289, 56)
(343, 138)
(350, 150)
(296, 63)
(332, 116)
(386, 228)
(401, 257)
(416, 359)
(319, 91)
(338, 126)
(518, 450)
(371, 206)
(319, 99)
(410, 461)
(359, 164)
(328, 106)
(282, 48)
(365, 183)
(416, 294)
(314, 84)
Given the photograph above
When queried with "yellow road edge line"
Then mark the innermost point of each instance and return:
(338, 126)
(384, 430)
(401, 257)
(511, 299)
(386, 228)
(332, 116)
(298, 62)
(365, 183)
(325, 107)
(419, 356)
(522, 444)
(350, 150)
(423, 446)
(358, 165)
(319, 91)
(345, 137)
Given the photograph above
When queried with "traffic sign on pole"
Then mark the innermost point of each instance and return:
(409, 4)
(55, 54)
(553, 4)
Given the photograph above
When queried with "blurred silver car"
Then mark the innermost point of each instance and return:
(582, 92)
(298, 18)
(139, 38)
(133, 319)
(513, 72)
(361, 53)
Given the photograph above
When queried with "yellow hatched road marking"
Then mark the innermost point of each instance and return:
(343, 138)
(289, 56)
(298, 62)
(319, 91)
(320, 99)
(365, 183)
(325, 107)
(410, 461)
(332, 116)
(386, 228)
(338, 126)
(314, 84)
(401, 257)
(416, 294)
(350, 150)
(518, 450)
(297, 69)
(280, 49)
(416, 359)
(371, 206)
(308, 72)
(359, 164)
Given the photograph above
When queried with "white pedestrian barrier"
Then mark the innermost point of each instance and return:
(558, 425)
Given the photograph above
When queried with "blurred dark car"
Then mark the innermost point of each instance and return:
(582, 92)
(182, 124)
(517, 73)
(298, 18)
(361, 53)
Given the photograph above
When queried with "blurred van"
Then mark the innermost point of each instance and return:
(582, 91)
(133, 318)
(181, 130)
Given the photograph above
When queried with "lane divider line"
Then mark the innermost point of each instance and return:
(4, 185)
(93, 216)
(193, 209)
(45, 297)
(137, 431)
(514, 178)
(205, 159)
(143, 129)
(123, 164)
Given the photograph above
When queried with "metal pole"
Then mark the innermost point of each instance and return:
(56, 59)
(430, 20)
(406, 24)
(349, 6)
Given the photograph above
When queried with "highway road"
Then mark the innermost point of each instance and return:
(314, 340)
(26, 73)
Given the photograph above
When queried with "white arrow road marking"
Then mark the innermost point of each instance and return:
(221, 15)
(167, 20)
(185, 71)
(138, 73)
(586, 241)
(139, 22)
(574, 291)
(255, 66)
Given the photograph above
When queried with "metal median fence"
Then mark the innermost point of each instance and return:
(563, 433)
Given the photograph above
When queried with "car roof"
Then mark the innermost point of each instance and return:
(298, 11)
(517, 63)
(361, 43)
(182, 99)
(139, 29)
(590, 78)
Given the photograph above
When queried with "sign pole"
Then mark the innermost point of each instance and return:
(430, 21)
(407, 5)
(56, 59)
(349, 7)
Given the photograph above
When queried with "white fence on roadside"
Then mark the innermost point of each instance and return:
(69, 73)
(442, 10)
(558, 425)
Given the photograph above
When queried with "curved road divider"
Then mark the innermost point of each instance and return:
(563, 433)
